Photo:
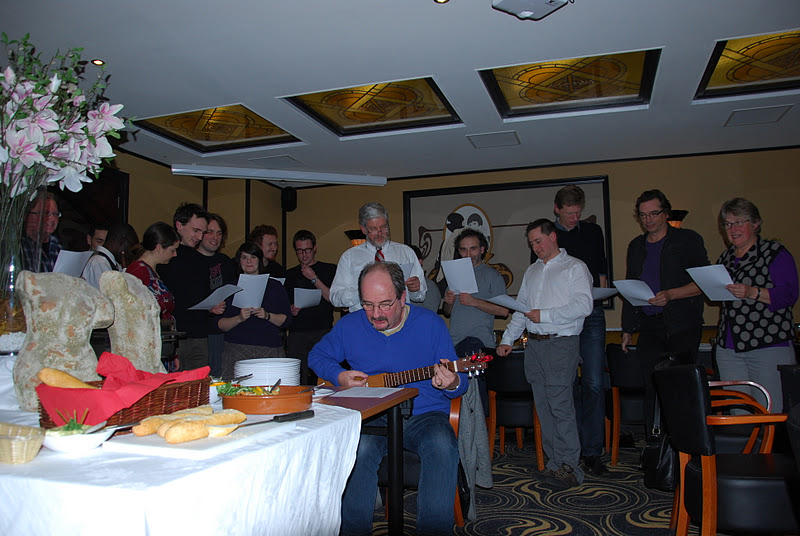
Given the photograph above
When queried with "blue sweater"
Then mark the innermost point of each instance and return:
(421, 342)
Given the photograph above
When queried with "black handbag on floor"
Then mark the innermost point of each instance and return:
(659, 460)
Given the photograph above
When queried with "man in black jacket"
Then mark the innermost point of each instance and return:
(673, 322)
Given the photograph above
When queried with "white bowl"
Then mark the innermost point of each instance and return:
(76, 442)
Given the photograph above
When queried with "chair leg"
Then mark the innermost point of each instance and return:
(615, 416)
(709, 472)
(608, 435)
(492, 421)
(502, 433)
(519, 437)
(537, 435)
(457, 513)
(678, 504)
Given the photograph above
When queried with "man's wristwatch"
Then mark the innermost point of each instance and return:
(314, 281)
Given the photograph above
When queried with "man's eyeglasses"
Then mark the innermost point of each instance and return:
(383, 306)
(304, 250)
(737, 223)
(382, 229)
(650, 215)
(45, 214)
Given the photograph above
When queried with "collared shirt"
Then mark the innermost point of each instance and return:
(50, 251)
(344, 290)
(561, 289)
(100, 262)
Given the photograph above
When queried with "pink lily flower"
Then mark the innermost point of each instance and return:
(21, 148)
(102, 120)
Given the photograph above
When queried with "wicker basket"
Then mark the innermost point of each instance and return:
(19, 444)
(166, 399)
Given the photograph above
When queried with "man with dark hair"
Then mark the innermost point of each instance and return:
(584, 240)
(41, 220)
(110, 255)
(221, 271)
(373, 219)
(558, 290)
(187, 278)
(672, 324)
(97, 235)
(310, 324)
(471, 316)
(388, 335)
(266, 236)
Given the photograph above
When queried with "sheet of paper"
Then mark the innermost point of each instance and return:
(281, 280)
(635, 291)
(304, 297)
(365, 392)
(603, 293)
(460, 276)
(407, 267)
(219, 295)
(504, 300)
(252, 294)
(71, 262)
(712, 280)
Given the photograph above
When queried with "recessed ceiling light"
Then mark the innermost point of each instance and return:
(441, 1)
(98, 62)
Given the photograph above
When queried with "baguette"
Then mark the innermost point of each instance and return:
(59, 378)
(186, 431)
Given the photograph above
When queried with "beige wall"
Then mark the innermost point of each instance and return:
(698, 184)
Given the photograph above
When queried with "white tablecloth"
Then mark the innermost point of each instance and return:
(286, 484)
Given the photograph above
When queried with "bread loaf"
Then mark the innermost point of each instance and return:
(59, 378)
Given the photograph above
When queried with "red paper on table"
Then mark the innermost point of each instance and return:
(124, 386)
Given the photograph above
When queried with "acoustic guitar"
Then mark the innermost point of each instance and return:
(472, 365)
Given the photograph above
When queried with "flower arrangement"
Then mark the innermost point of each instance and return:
(53, 129)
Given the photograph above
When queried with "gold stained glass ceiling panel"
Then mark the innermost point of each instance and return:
(216, 129)
(378, 107)
(573, 84)
(753, 64)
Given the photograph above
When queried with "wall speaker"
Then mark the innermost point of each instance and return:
(288, 199)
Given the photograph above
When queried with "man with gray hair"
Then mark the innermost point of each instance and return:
(374, 222)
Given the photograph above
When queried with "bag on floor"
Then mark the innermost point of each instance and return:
(659, 460)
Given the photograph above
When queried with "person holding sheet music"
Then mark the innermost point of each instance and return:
(756, 330)
(254, 332)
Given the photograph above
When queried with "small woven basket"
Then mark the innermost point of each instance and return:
(19, 444)
(166, 399)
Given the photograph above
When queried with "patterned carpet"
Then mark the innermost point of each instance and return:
(521, 504)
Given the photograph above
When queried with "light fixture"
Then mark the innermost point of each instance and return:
(528, 9)
(441, 1)
(676, 217)
(356, 237)
(275, 174)
(98, 62)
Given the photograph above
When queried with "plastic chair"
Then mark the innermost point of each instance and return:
(511, 403)
(627, 394)
(726, 492)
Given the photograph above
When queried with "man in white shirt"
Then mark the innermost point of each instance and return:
(115, 250)
(557, 289)
(374, 222)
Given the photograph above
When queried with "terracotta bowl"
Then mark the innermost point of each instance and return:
(287, 401)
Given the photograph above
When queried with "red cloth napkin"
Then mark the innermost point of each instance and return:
(124, 386)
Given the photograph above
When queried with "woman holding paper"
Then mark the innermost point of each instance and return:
(159, 244)
(254, 332)
(755, 331)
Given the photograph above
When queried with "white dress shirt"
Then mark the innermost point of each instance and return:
(97, 264)
(344, 289)
(561, 289)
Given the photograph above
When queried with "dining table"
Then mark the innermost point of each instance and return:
(289, 482)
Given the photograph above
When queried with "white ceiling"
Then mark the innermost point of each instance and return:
(173, 56)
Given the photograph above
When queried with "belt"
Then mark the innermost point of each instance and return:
(537, 337)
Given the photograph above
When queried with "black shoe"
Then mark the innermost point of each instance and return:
(563, 478)
(595, 466)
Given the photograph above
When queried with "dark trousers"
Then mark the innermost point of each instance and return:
(656, 344)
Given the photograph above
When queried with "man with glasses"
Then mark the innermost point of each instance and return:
(374, 222)
(673, 322)
(41, 220)
(389, 335)
(310, 324)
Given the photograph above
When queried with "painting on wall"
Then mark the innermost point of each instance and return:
(433, 219)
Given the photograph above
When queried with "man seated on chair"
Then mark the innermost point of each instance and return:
(388, 335)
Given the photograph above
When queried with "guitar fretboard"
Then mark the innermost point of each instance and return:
(393, 379)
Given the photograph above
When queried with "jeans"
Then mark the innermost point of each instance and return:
(589, 389)
(432, 438)
(216, 345)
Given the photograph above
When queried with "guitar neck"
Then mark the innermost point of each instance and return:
(393, 379)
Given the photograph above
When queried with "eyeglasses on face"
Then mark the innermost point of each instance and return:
(304, 250)
(650, 215)
(376, 230)
(45, 214)
(737, 223)
(383, 306)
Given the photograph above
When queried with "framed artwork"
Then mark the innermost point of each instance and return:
(433, 219)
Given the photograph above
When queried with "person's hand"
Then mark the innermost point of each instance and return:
(467, 299)
(742, 291)
(245, 313)
(444, 378)
(660, 299)
(307, 272)
(534, 315)
(626, 341)
(450, 297)
(413, 283)
(259, 312)
(352, 378)
(503, 350)
(295, 310)
(218, 309)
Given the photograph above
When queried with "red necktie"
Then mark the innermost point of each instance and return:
(379, 255)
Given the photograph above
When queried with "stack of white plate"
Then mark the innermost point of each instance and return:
(268, 370)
